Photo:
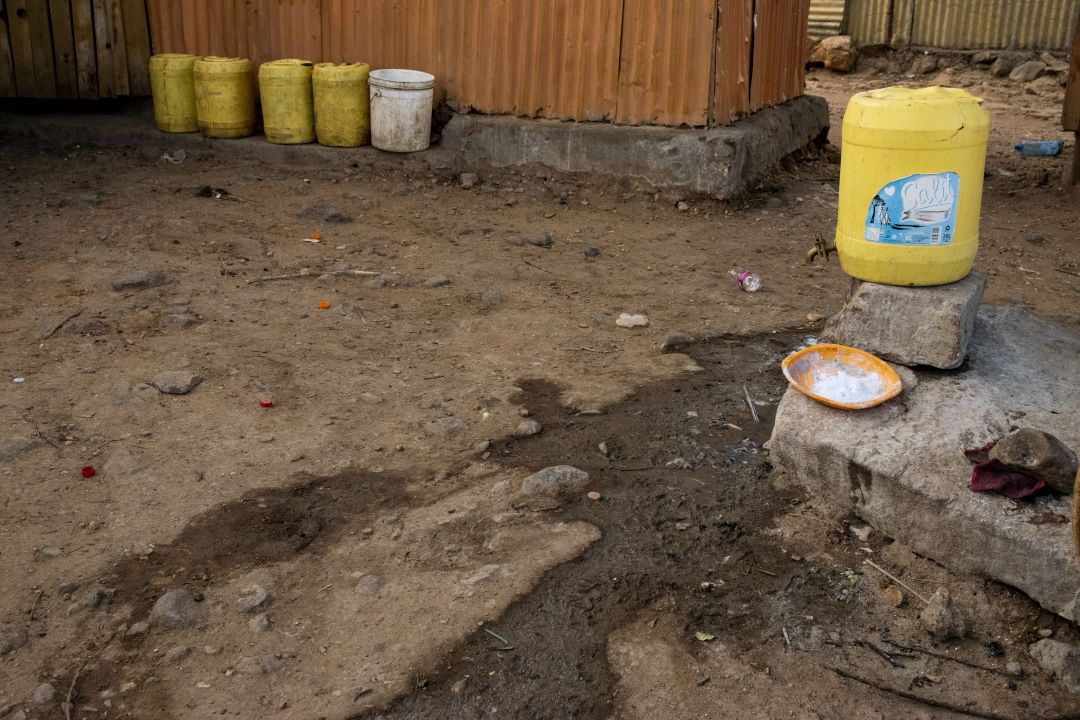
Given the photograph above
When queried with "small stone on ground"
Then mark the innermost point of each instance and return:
(626, 320)
(252, 599)
(139, 280)
(528, 428)
(552, 481)
(1040, 455)
(176, 382)
(174, 609)
(942, 619)
(44, 693)
(1060, 660)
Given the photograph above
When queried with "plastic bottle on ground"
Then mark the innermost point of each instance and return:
(1040, 148)
(748, 281)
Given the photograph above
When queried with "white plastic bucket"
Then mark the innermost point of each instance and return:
(401, 109)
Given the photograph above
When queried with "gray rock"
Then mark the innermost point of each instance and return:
(384, 280)
(323, 212)
(447, 426)
(11, 638)
(181, 320)
(925, 64)
(1014, 668)
(176, 382)
(1026, 72)
(1003, 65)
(942, 619)
(253, 599)
(900, 467)
(528, 428)
(174, 609)
(369, 585)
(140, 628)
(1060, 660)
(675, 341)
(590, 252)
(44, 693)
(908, 325)
(260, 623)
(1040, 455)
(139, 279)
(984, 57)
(14, 447)
(438, 281)
(469, 180)
(552, 481)
(177, 654)
(64, 279)
(20, 714)
(540, 238)
(326, 279)
(67, 587)
(493, 297)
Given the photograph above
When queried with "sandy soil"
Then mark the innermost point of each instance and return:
(378, 500)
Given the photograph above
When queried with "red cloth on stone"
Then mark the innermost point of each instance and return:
(991, 476)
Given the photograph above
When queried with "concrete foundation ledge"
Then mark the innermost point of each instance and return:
(722, 162)
(901, 466)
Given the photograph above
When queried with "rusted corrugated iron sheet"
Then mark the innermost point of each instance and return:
(963, 24)
(668, 62)
(734, 34)
(826, 18)
(994, 23)
(556, 59)
(665, 74)
(778, 72)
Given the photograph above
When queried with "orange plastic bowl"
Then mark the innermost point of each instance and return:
(842, 377)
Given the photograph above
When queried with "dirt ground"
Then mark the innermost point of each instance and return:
(377, 502)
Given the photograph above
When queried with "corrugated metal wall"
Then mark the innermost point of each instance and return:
(666, 62)
(826, 18)
(963, 24)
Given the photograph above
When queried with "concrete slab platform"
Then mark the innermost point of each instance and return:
(901, 466)
(722, 162)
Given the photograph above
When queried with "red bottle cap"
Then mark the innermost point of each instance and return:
(266, 403)
(89, 471)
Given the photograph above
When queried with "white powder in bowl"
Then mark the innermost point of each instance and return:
(847, 384)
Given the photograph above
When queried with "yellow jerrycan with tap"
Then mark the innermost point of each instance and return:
(911, 180)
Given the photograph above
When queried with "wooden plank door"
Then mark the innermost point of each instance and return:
(63, 44)
(82, 24)
(7, 72)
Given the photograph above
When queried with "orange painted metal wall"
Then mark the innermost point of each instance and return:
(664, 62)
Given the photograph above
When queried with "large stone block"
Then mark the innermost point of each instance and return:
(910, 325)
(901, 466)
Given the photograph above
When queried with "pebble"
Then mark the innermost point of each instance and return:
(1014, 668)
(683, 206)
(174, 609)
(252, 599)
(942, 618)
(1026, 72)
(469, 180)
(540, 238)
(369, 585)
(482, 446)
(438, 281)
(139, 279)
(814, 317)
(1060, 660)
(44, 693)
(554, 480)
(528, 428)
(370, 397)
(260, 623)
(675, 341)
(65, 279)
(139, 628)
(181, 320)
(625, 320)
(178, 653)
(447, 426)
(266, 438)
(49, 551)
(894, 596)
(176, 382)
(493, 297)
(593, 495)
(590, 252)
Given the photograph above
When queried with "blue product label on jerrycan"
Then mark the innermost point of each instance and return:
(915, 210)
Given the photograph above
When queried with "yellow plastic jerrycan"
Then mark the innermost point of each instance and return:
(342, 105)
(287, 106)
(911, 179)
(172, 83)
(224, 97)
